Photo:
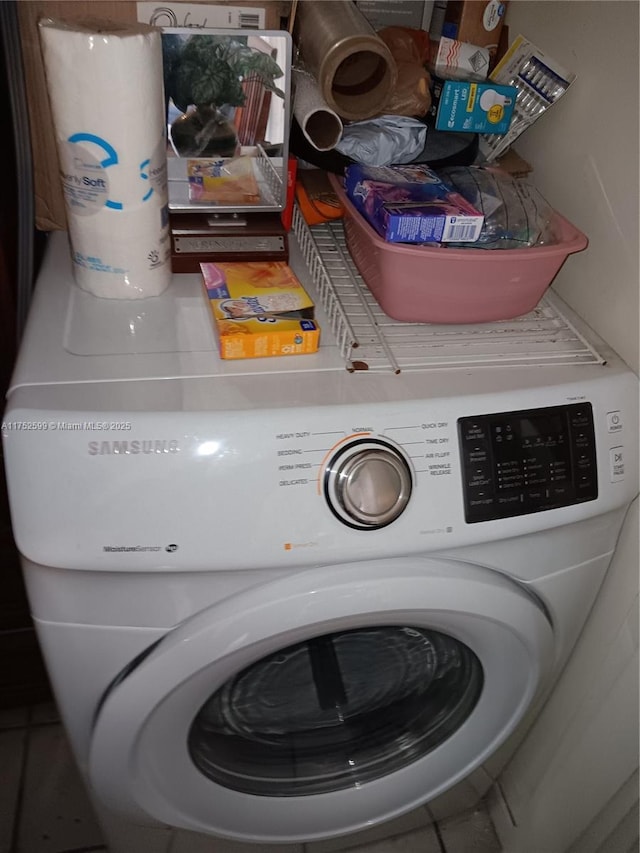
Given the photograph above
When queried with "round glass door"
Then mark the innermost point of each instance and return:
(335, 711)
(322, 702)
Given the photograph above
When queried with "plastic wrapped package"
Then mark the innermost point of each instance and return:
(223, 180)
(383, 140)
(516, 216)
(411, 96)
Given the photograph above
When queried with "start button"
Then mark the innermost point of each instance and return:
(616, 464)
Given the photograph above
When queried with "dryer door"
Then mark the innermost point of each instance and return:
(323, 702)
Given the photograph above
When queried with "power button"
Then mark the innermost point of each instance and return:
(614, 421)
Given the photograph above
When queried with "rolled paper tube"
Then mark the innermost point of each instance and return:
(320, 124)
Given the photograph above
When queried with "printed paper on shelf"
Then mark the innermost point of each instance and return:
(200, 15)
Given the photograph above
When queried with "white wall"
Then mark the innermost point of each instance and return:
(585, 154)
(583, 747)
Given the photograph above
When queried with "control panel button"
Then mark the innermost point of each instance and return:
(479, 476)
(560, 493)
(580, 417)
(474, 431)
(616, 464)
(614, 421)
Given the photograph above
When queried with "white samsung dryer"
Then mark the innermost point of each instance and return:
(285, 599)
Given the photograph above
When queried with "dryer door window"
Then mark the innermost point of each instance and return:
(323, 702)
(336, 711)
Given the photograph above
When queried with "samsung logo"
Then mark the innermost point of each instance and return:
(132, 448)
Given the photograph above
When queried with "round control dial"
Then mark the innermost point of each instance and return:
(368, 484)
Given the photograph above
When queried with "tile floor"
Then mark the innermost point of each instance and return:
(44, 808)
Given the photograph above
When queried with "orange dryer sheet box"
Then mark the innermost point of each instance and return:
(259, 308)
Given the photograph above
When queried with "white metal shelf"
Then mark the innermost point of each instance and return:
(370, 340)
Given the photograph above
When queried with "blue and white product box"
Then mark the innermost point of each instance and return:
(410, 204)
(475, 107)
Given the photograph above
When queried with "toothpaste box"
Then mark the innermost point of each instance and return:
(475, 107)
(259, 308)
(410, 204)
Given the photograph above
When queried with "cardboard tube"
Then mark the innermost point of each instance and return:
(353, 66)
(320, 125)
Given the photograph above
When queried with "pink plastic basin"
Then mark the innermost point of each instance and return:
(423, 284)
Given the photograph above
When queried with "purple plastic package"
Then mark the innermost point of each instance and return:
(410, 204)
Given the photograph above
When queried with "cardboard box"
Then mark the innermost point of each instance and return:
(259, 309)
(457, 60)
(49, 201)
(475, 21)
(475, 107)
(396, 13)
(253, 288)
(255, 339)
(219, 14)
(515, 165)
(410, 204)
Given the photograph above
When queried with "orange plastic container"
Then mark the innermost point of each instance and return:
(424, 284)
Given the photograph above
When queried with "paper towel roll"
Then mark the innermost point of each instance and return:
(320, 124)
(106, 92)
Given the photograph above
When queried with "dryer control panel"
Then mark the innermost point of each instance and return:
(521, 462)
